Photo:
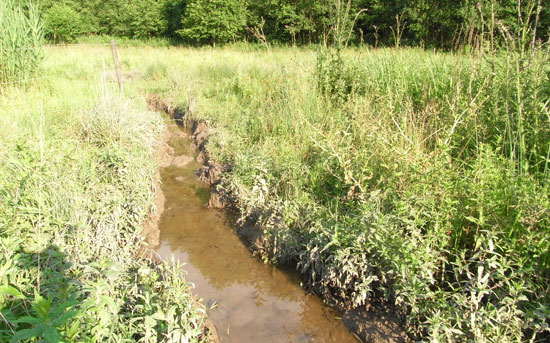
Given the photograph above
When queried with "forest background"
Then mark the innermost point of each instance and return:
(446, 24)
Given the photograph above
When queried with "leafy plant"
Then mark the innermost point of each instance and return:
(214, 22)
(62, 23)
(337, 77)
(46, 320)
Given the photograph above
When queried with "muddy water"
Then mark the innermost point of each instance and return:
(252, 301)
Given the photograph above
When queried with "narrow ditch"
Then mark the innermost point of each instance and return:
(249, 301)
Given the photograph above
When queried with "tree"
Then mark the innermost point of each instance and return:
(291, 20)
(145, 18)
(173, 11)
(213, 21)
(63, 23)
(433, 22)
(134, 19)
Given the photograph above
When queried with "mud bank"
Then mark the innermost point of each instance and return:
(151, 232)
(166, 157)
(374, 324)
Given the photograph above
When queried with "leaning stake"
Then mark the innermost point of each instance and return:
(117, 66)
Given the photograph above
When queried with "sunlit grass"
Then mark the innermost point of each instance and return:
(76, 185)
(425, 185)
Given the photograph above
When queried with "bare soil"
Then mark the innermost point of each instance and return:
(164, 155)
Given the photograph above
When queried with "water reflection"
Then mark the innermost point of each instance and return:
(255, 302)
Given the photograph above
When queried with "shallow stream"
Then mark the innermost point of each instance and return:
(252, 301)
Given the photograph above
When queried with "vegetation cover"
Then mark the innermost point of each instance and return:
(428, 23)
(414, 177)
(21, 40)
(76, 184)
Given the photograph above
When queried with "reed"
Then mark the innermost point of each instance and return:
(21, 40)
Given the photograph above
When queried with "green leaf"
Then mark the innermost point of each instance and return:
(25, 334)
(110, 302)
(472, 219)
(5, 268)
(159, 316)
(42, 306)
(51, 335)
(63, 318)
(28, 320)
(63, 306)
(11, 291)
(72, 330)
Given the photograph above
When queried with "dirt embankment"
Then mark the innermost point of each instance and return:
(377, 323)
(165, 157)
(151, 232)
(211, 171)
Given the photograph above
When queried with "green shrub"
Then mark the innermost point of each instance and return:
(63, 23)
(396, 175)
(337, 77)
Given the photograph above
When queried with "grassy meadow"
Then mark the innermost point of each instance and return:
(76, 184)
(415, 177)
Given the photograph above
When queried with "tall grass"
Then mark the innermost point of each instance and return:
(409, 188)
(400, 181)
(21, 40)
(76, 183)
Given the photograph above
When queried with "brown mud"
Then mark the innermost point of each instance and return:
(166, 157)
(150, 231)
(252, 302)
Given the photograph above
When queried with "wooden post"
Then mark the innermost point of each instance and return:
(117, 66)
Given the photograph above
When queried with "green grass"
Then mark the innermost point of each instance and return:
(76, 182)
(126, 42)
(415, 177)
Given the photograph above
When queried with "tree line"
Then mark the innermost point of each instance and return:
(428, 23)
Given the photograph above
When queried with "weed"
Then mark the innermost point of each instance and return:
(395, 174)
(424, 184)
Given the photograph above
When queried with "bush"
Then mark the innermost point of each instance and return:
(337, 77)
(214, 22)
(63, 23)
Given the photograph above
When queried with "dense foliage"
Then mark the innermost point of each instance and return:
(136, 19)
(426, 22)
(213, 21)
